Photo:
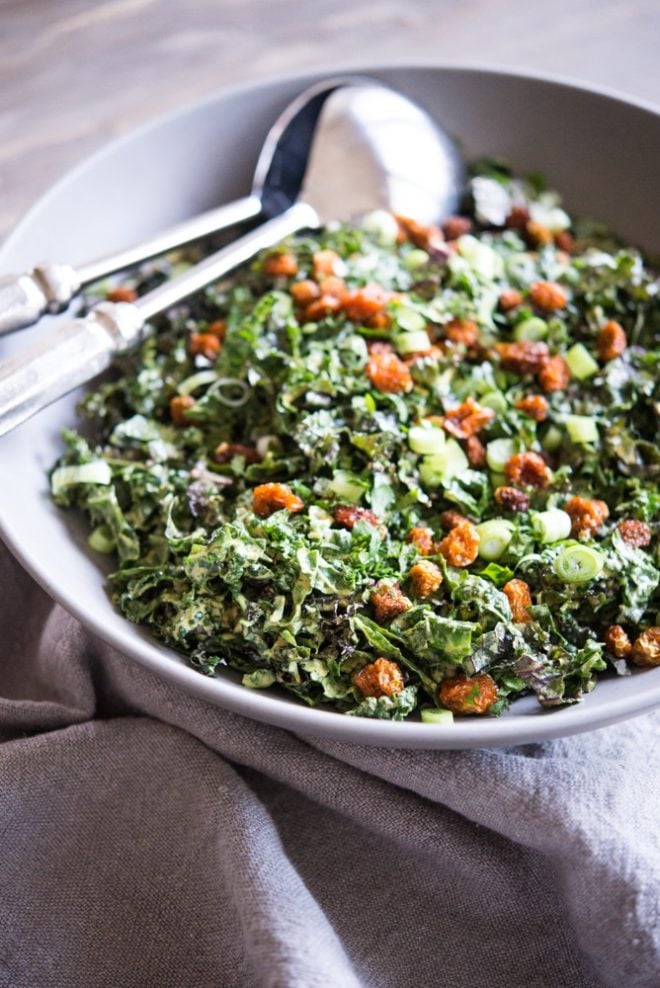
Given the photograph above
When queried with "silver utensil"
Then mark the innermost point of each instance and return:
(371, 148)
(49, 288)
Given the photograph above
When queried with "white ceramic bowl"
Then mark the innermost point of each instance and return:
(600, 150)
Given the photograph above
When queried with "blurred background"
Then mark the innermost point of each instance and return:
(74, 74)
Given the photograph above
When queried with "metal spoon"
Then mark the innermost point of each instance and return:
(371, 148)
(51, 287)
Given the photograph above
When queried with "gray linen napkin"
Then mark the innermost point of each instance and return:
(150, 839)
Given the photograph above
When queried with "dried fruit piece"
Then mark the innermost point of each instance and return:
(326, 262)
(468, 695)
(348, 515)
(387, 372)
(305, 291)
(537, 234)
(565, 241)
(463, 331)
(456, 226)
(225, 453)
(324, 306)
(548, 295)
(646, 648)
(509, 299)
(379, 678)
(528, 470)
(554, 374)
(536, 406)
(635, 532)
(366, 303)
(218, 328)
(518, 218)
(460, 546)
(425, 577)
(587, 515)
(178, 406)
(422, 539)
(612, 340)
(281, 265)
(512, 499)
(617, 642)
(467, 419)
(204, 345)
(121, 294)
(426, 237)
(519, 597)
(523, 357)
(388, 600)
(267, 498)
(451, 518)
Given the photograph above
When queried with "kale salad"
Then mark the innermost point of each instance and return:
(391, 468)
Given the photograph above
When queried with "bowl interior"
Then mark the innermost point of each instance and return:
(600, 151)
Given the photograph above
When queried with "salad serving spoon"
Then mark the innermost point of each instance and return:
(368, 148)
(50, 287)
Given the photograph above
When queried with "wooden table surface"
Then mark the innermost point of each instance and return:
(74, 74)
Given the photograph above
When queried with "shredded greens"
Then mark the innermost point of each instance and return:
(294, 393)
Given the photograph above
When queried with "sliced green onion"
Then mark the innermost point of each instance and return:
(581, 429)
(195, 381)
(494, 537)
(580, 362)
(96, 472)
(346, 486)
(426, 439)
(450, 462)
(551, 525)
(533, 328)
(416, 259)
(414, 342)
(230, 391)
(494, 400)
(481, 258)
(101, 540)
(552, 440)
(498, 452)
(382, 226)
(409, 319)
(578, 564)
(436, 715)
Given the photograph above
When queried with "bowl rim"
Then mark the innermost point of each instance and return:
(258, 705)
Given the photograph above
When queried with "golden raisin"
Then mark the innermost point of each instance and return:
(617, 642)
(121, 294)
(225, 453)
(267, 498)
(387, 372)
(456, 226)
(348, 515)
(527, 470)
(587, 515)
(646, 648)
(204, 345)
(467, 419)
(451, 518)
(422, 539)
(178, 406)
(388, 600)
(417, 233)
(554, 374)
(379, 678)
(509, 299)
(218, 328)
(468, 694)
(425, 577)
(461, 545)
(612, 340)
(305, 291)
(512, 499)
(537, 234)
(476, 452)
(519, 597)
(463, 331)
(548, 295)
(366, 303)
(326, 262)
(332, 285)
(536, 406)
(635, 532)
(524, 357)
(281, 265)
